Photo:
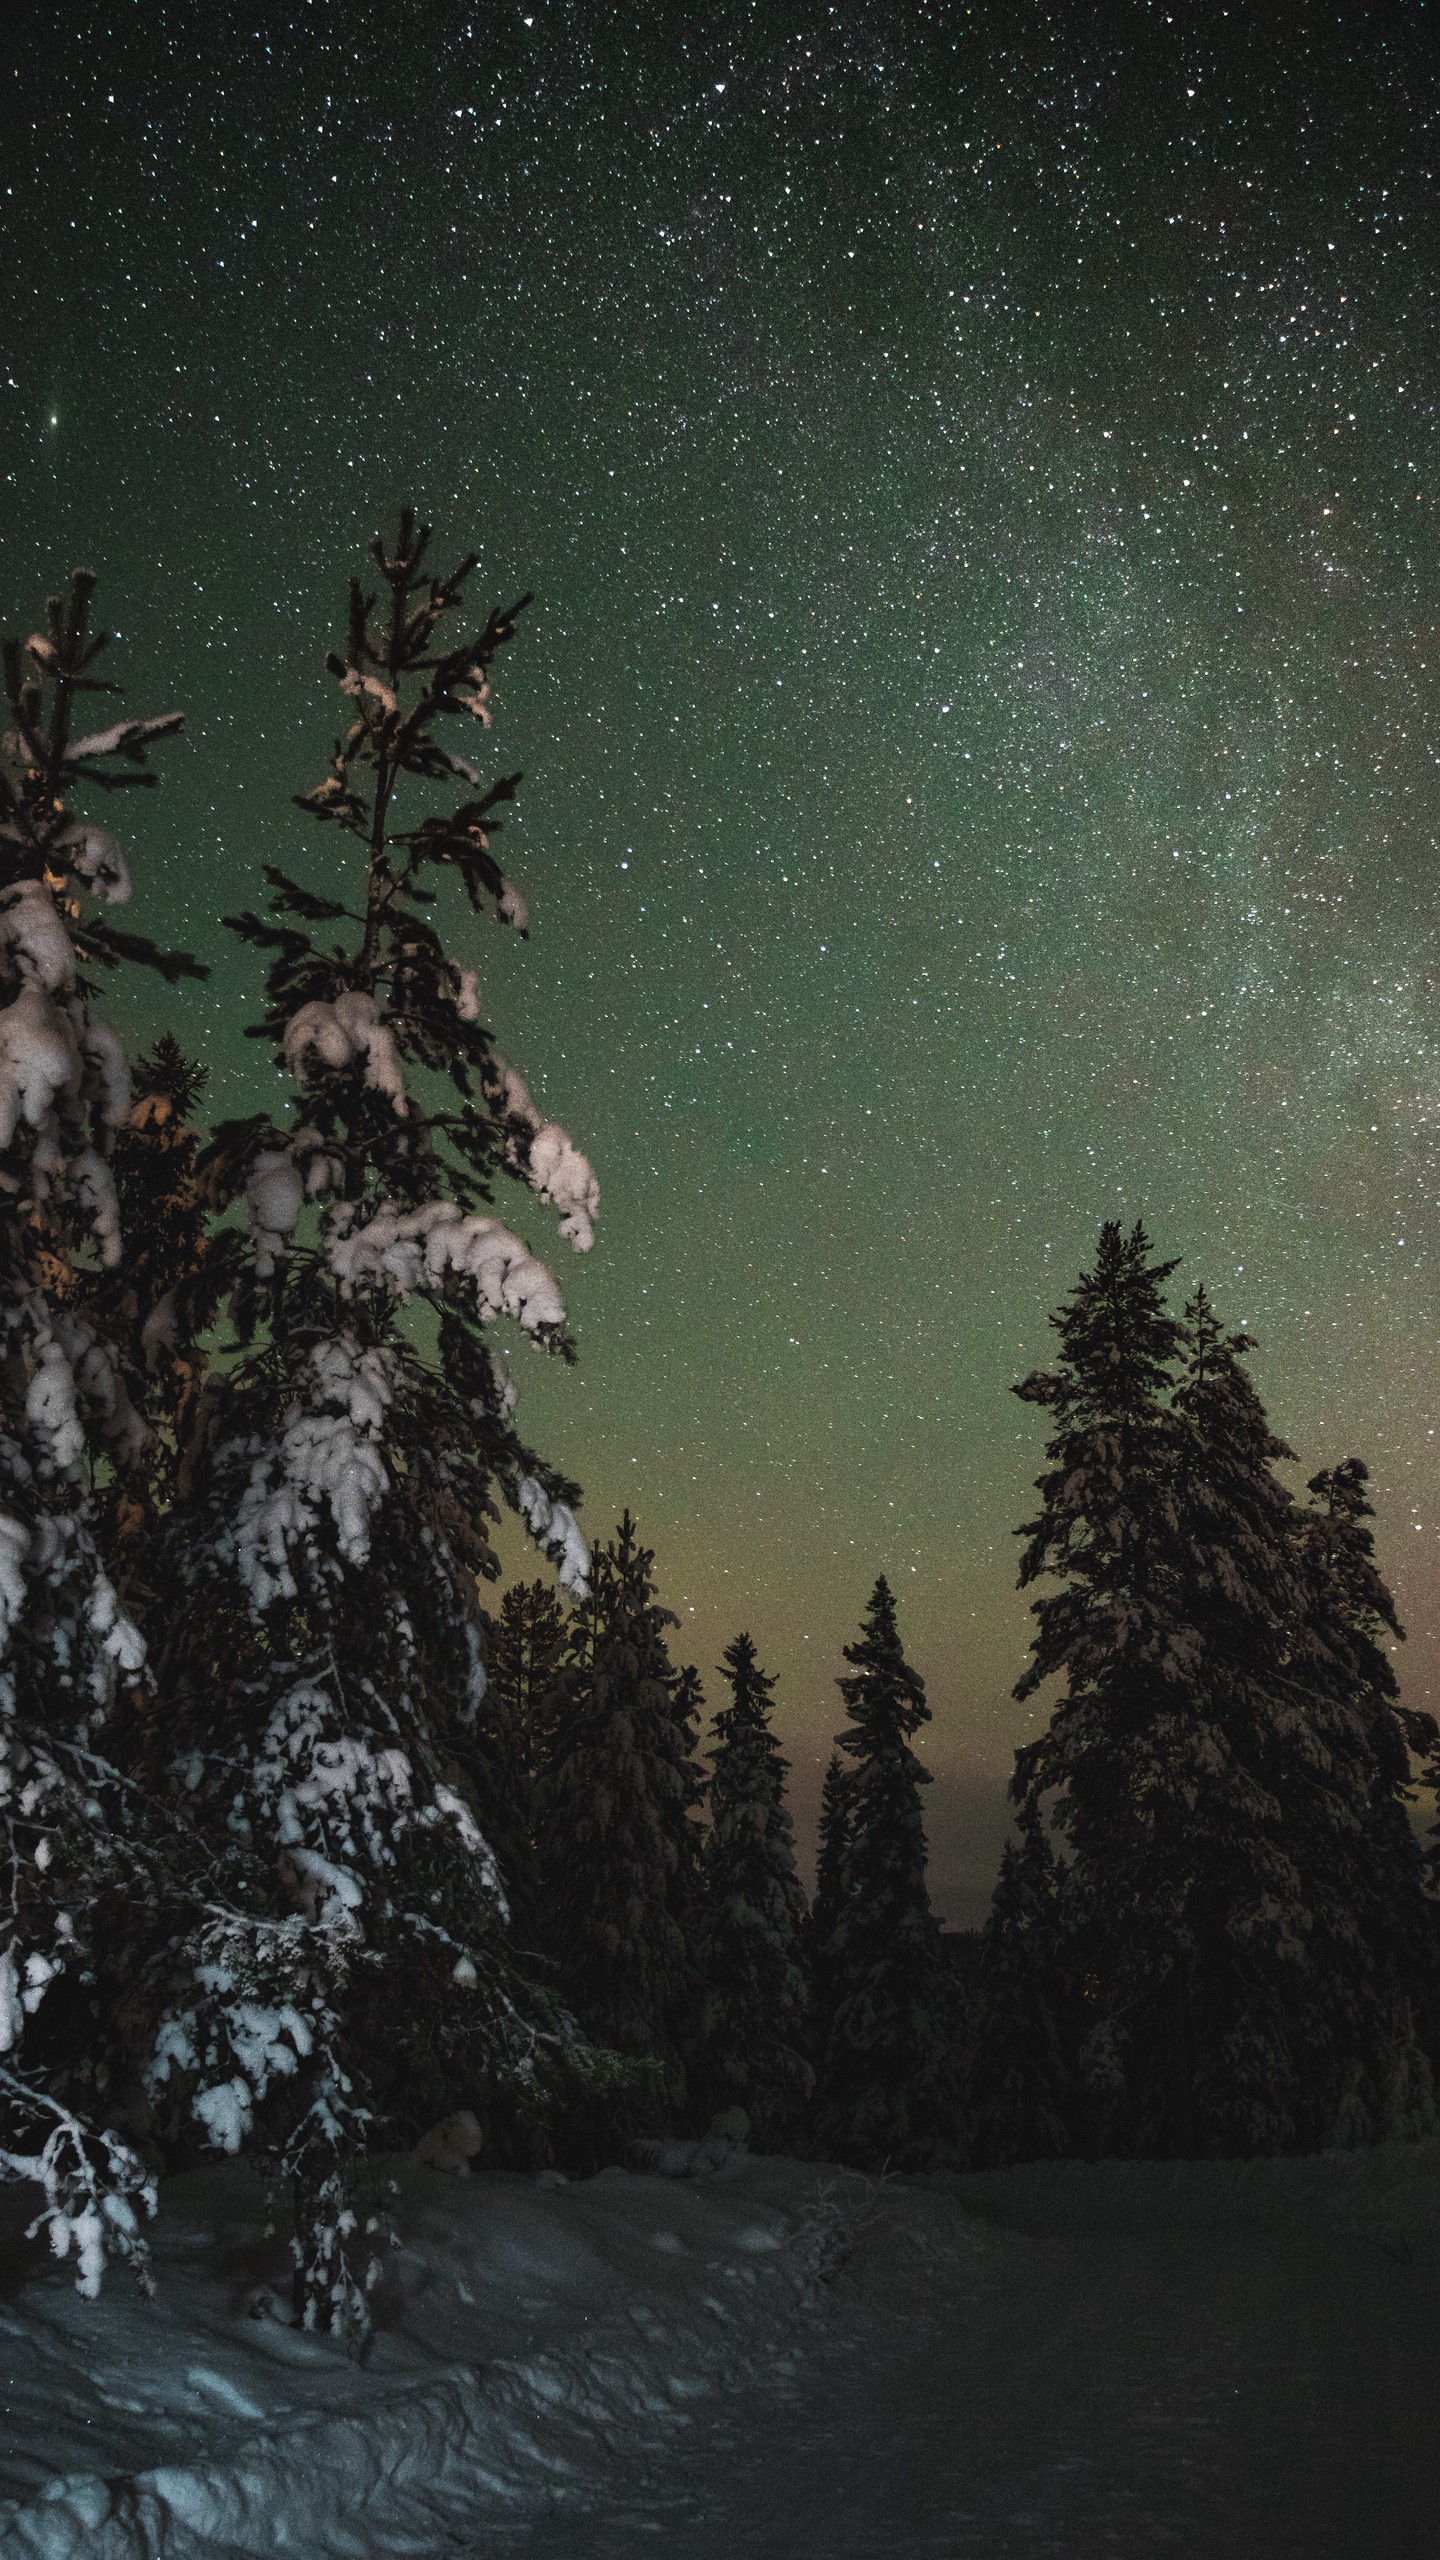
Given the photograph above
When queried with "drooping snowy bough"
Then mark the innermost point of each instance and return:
(76, 1863)
(325, 1664)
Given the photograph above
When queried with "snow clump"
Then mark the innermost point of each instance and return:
(329, 1454)
(558, 1534)
(347, 1031)
(34, 938)
(429, 1247)
(551, 1162)
(91, 854)
(274, 1196)
(39, 1061)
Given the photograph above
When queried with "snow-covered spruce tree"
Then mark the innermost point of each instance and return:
(613, 1827)
(1234, 1717)
(1017, 2092)
(1185, 1713)
(755, 2034)
(1371, 2017)
(165, 1222)
(881, 2093)
(79, 1867)
(1106, 1534)
(324, 1658)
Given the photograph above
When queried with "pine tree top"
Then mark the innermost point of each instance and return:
(1116, 1340)
(882, 1691)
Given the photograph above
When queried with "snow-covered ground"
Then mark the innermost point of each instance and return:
(1196, 2360)
(524, 2329)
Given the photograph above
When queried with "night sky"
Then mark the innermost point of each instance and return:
(977, 469)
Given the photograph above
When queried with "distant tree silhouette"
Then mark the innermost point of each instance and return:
(883, 2032)
(756, 2016)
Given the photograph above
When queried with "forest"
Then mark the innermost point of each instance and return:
(315, 1839)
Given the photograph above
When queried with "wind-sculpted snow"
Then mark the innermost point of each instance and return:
(552, 2368)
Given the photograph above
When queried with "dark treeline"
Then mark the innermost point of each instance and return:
(311, 1840)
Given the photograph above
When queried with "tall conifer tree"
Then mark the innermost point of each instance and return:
(756, 2016)
(1017, 2096)
(508, 1743)
(1243, 1940)
(1116, 1753)
(1370, 2021)
(613, 1823)
(83, 1870)
(880, 2095)
(325, 1644)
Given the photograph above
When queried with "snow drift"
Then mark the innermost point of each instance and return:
(521, 2324)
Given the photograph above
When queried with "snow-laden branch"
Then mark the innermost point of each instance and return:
(347, 1031)
(550, 1161)
(328, 1458)
(440, 1244)
(557, 1533)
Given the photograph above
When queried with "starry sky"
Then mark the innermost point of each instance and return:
(977, 470)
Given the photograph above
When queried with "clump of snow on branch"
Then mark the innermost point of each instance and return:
(39, 1061)
(347, 1031)
(557, 1533)
(275, 1196)
(439, 1244)
(95, 2188)
(63, 1073)
(327, 1458)
(91, 854)
(72, 1370)
(108, 1068)
(280, 1181)
(550, 1161)
(99, 1384)
(34, 939)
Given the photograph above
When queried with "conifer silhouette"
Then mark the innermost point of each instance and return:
(756, 2018)
(881, 2094)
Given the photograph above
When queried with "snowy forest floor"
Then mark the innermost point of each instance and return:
(1196, 2359)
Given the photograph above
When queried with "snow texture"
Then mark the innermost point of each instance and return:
(438, 1245)
(557, 1532)
(522, 2328)
(347, 1031)
(34, 939)
(90, 853)
(275, 1196)
(328, 1457)
(551, 1163)
(1043, 2362)
(39, 1060)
